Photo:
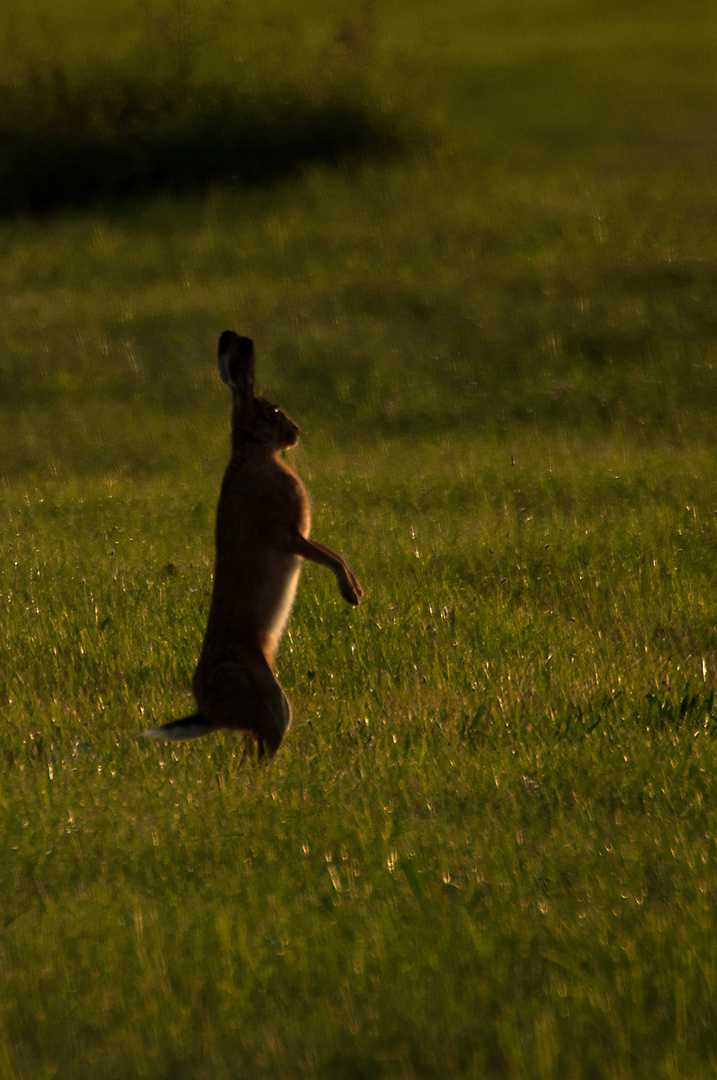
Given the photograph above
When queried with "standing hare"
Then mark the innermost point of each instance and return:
(262, 534)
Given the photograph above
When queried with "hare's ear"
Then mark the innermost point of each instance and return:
(236, 363)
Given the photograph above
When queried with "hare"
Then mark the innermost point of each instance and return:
(262, 535)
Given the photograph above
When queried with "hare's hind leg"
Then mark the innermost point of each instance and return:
(246, 697)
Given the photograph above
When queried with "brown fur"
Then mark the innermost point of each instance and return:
(261, 535)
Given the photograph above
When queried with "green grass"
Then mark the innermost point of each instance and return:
(487, 847)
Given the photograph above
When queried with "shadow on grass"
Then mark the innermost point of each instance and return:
(66, 143)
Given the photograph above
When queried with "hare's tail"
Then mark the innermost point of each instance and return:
(189, 727)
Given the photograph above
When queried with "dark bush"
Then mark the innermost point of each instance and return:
(107, 136)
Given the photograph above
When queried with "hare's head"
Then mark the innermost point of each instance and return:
(254, 420)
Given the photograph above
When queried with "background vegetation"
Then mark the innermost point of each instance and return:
(487, 848)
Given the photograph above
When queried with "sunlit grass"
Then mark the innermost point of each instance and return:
(493, 802)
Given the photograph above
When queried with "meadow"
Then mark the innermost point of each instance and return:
(487, 846)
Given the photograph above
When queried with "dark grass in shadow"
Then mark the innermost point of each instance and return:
(69, 143)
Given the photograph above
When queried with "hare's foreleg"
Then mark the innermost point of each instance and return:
(347, 582)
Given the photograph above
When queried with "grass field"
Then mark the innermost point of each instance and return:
(487, 846)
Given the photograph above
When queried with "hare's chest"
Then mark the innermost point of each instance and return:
(263, 503)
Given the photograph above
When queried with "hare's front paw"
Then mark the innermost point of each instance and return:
(351, 590)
